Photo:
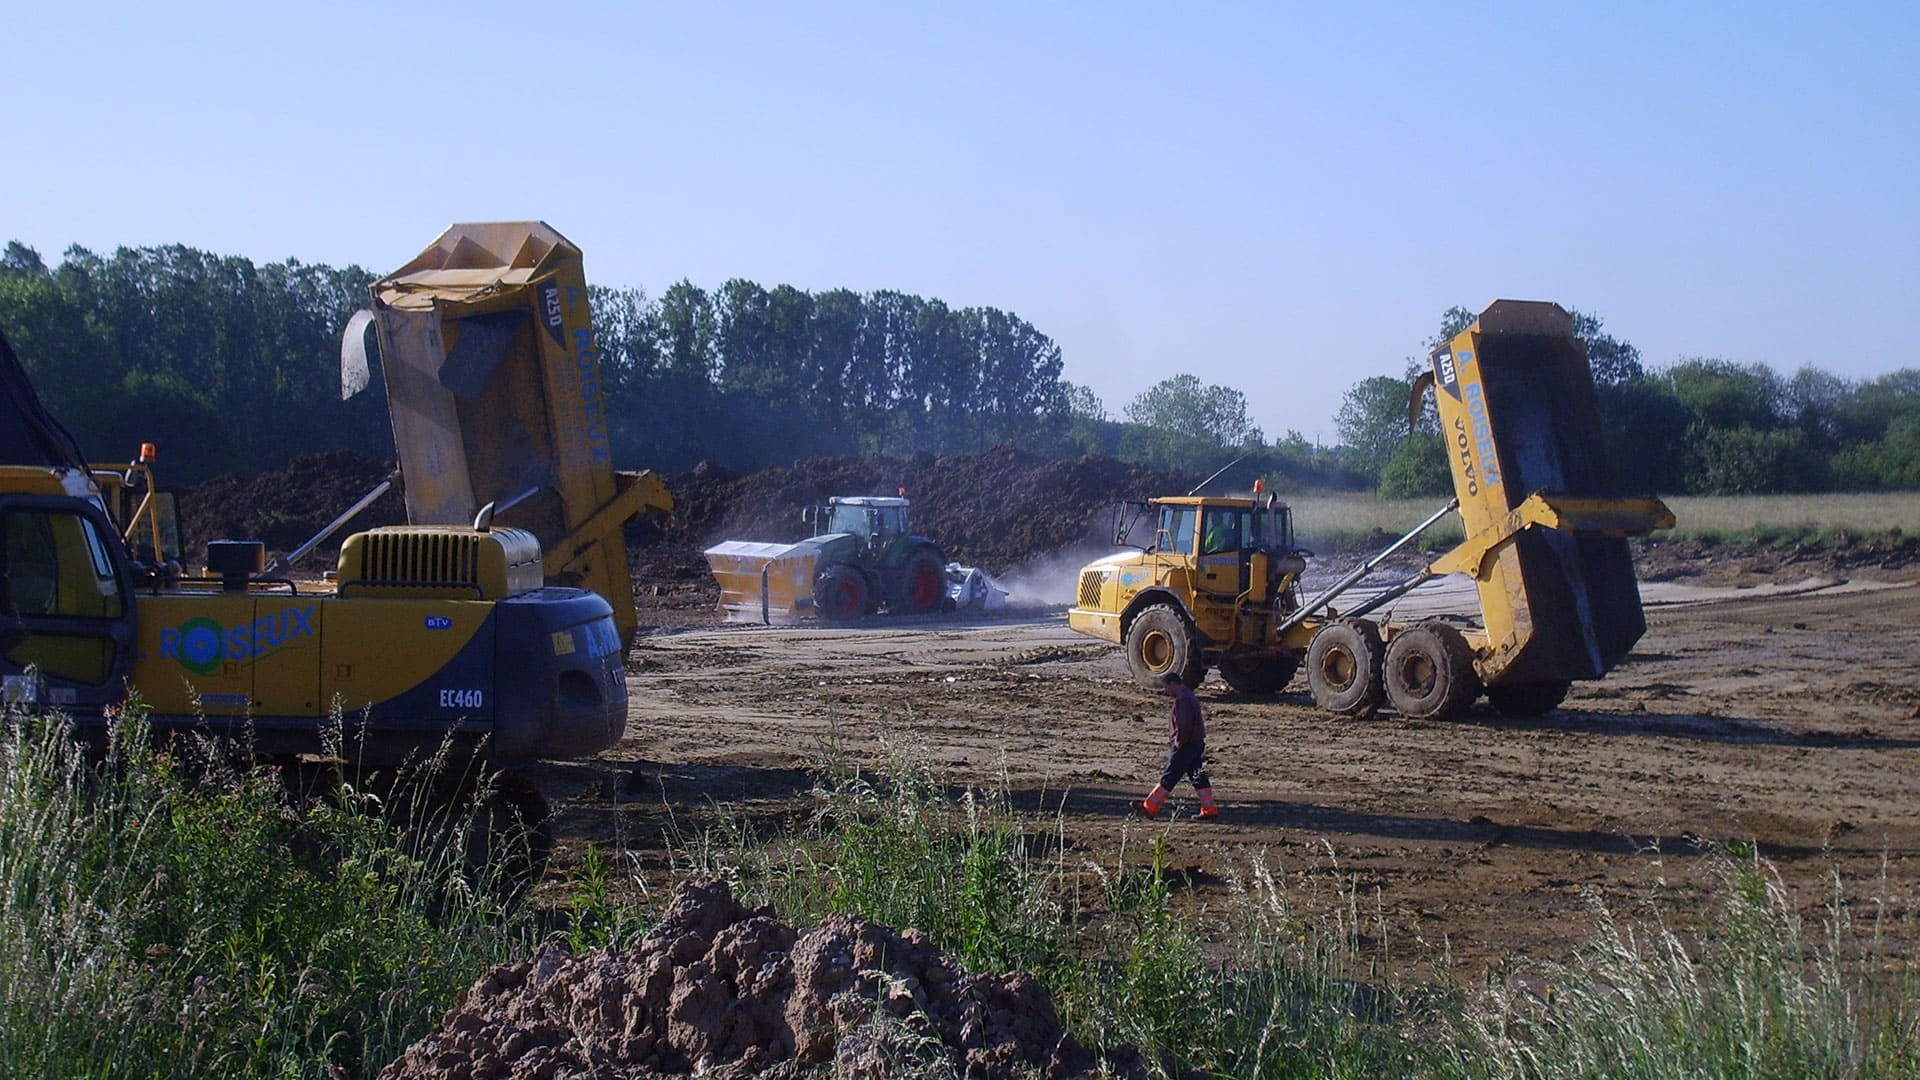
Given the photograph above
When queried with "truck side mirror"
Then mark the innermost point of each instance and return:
(809, 515)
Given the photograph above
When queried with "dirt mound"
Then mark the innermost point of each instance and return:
(287, 507)
(724, 991)
(992, 509)
(1891, 555)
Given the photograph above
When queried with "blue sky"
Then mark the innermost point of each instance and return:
(1280, 198)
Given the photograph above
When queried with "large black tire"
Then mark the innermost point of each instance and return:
(1343, 667)
(1528, 699)
(1267, 674)
(1159, 640)
(840, 594)
(1430, 672)
(923, 583)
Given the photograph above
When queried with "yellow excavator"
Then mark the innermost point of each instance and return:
(1218, 582)
(465, 627)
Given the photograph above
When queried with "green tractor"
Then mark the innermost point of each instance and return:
(860, 559)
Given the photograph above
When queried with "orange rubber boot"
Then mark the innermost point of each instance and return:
(1157, 798)
(1208, 808)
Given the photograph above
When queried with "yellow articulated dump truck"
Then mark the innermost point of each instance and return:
(493, 382)
(1218, 583)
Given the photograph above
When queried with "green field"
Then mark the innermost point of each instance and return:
(1337, 521)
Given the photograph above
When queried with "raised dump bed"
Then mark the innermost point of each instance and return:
(1557, 589)
(493, 383)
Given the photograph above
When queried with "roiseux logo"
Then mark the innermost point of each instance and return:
(201, 644)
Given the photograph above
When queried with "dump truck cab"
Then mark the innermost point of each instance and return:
(429, 637)
(1205, 589)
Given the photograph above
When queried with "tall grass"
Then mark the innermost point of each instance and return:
(1752, 996)
(170, 912)
(1129, 966)
(166, 912)
(1256, 988)
(1794, 516)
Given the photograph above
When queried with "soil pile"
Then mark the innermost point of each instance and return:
(1893, 555)
(992, 509)
(720, 990)
(285, 508)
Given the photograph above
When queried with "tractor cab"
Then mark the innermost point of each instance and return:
(875, 521)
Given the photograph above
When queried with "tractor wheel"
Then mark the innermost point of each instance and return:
(840, 594)
(1159, 641)
(1343, 668)
(1430, 672)
(1528, 699)
(925, 582)
(1268, 674)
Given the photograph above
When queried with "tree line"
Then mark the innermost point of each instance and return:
(234, 367)
(1701, 425)
(749, 376)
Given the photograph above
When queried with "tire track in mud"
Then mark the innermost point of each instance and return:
(1785, 720)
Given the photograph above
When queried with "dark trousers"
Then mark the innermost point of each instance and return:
(1185, 762)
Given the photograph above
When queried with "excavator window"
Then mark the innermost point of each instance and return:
(57, 582)
(55, 563)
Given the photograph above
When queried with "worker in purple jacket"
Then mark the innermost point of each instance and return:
(1187, 733)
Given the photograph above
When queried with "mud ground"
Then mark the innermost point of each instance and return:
(1760, 707)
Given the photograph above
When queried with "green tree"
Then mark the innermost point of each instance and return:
(1747, 461)
(1372, 421)
(1612, 361)
(1888, 462)
(1417, 468)
(1183, 423)
(1723, 394)
(1452, 321)
(1216, 415)
(1877, 404)
(1644, 424)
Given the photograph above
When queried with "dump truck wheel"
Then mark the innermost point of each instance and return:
(1528, 699)
(1268, 674)
(1159, 641)
(1343, 667)
(926, 582)
(840, 594)
(1430, 672)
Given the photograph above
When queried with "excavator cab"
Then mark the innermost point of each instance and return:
(66, 597)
